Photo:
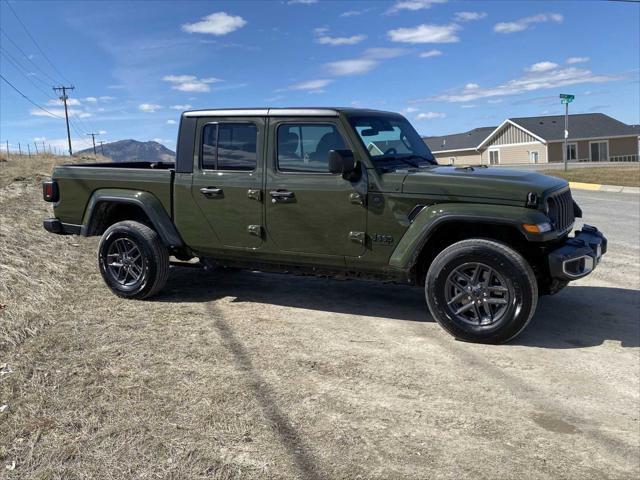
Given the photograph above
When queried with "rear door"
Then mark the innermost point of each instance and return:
(227, 181)
(309, 210)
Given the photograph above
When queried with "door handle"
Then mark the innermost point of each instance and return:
(281, 195)
(211, 191)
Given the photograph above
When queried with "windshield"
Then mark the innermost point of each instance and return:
(388, 138)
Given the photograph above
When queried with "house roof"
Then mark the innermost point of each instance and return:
(459, 141)
(549, 129)
(584, 125)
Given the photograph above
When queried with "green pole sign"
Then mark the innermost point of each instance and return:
(566, 98)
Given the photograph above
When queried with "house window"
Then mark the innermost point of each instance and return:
(452, 160)
(572, 151)
(533, 157)
(494, 157)
(599, 151)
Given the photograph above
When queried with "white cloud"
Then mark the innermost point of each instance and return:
(190, 83)
(526, 22)
(72, 102)
(185, 106)
(102, 132)
(91, 99)
(325, 39)
(354, 66)
(471, 86)
(542, 67)
(219, 23)
(171, 122)
(311, 85)
(413, 5)
(352, 13)
(574, 60)
(409, 110)
(369, 60)
(301, 2)
(469, 16)
(106, 98)
(468, 105)
(59, 113)
(425, 34)
(149, 107)
(531, 81)
(430, 53)
(430, 115)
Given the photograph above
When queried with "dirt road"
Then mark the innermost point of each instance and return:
(249, 375)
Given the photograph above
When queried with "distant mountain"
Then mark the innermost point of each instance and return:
(133, 151)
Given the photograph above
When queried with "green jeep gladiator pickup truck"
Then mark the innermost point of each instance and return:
(332, 192)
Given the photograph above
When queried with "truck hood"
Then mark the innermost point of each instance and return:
(479, 182)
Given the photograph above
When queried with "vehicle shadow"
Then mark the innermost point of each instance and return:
(577, 317)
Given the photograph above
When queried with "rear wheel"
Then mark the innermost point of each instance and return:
(481, 291)
(133, 261)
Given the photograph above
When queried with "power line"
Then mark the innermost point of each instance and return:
(27, 56)
(28, 99)
(21, 71)
(35, 43)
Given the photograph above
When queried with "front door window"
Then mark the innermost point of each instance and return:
(533, 157)
(494, 157)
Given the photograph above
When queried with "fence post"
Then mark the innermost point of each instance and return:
(19, 149)
(28, 150)
(8, 156)
(36, 145)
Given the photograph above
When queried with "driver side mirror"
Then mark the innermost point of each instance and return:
(343, 161)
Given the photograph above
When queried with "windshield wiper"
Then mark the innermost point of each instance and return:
(431, 162)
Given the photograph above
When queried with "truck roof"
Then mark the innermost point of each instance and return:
(283, 112)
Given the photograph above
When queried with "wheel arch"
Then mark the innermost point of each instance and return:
(439, 226)
(108, 206)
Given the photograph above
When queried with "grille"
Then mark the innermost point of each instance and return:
(560, 207)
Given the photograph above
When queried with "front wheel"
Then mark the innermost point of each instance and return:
(481, 291)
(133, 261)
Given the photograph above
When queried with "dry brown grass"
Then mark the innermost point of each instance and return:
(247, 375)
(623, 175)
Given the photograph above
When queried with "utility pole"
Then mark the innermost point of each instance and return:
(101, 147)
(64, 98)
(93, 137)
(566, 99)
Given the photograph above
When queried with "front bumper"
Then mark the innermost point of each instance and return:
(579, 255)
(54, 225)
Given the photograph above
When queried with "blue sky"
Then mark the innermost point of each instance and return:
(447, 65)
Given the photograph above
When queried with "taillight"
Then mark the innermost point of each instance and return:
(50, 191)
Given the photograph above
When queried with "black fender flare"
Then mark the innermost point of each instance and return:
(146, 201)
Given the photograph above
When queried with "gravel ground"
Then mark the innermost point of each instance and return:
(250, 375)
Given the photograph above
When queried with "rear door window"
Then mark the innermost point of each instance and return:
(229, 146)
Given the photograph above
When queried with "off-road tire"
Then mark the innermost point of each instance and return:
(513, 269)
(153, 254)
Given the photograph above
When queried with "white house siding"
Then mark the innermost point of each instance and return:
(515, 154)
(510, 135)
(467, 157)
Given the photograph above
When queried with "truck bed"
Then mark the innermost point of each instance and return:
(78, 182)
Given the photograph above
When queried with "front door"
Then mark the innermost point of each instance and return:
(309, 210)
(599, 151)
(227, 183)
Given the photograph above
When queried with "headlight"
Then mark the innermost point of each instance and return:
(537, 227)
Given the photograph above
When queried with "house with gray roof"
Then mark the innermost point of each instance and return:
(592, 137)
